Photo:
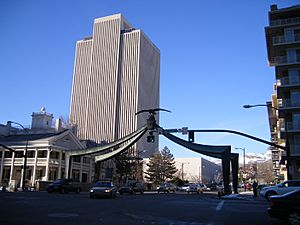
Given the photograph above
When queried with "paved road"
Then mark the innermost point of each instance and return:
(41, 208)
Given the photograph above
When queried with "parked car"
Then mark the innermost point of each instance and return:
(64, 186)
(132, 188)
(286, 207)
(103, 189)
(192, 188)
(280, 189)
(201, 188)
(166, 187)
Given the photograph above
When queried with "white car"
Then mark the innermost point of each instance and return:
(280, 189)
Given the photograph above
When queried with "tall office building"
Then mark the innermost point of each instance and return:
(116, 74)
(283, 43)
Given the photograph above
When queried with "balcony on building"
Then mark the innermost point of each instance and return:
(288, 82)
(288, 103)
(280, 40)
(282, 32)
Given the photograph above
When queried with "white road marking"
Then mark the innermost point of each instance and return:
(220, 205)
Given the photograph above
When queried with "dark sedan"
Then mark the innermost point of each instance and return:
(103, 189)
(286, 207)
(64, 186)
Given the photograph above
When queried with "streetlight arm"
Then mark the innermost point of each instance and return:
(258, 105)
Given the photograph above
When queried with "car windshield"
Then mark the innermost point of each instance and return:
(58, 182)
(103, 184)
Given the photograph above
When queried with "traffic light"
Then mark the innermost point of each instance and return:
(151, 122)
(191, 136)
(150, 137)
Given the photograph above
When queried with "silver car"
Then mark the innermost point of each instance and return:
(280, 189)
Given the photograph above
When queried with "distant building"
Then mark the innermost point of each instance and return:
(198, 170)
(46, 147)
(195, 170)
(283, 45)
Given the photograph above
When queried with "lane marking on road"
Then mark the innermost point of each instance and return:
(220, 205)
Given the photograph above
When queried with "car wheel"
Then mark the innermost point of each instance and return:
(49, 191)
(294, 218)
(62, 191)
(78, 190)
(142, 192)
(120, 192)
(269, 194)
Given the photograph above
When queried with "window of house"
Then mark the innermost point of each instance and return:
(8, 154)
(42, 154)
(30, 154)
(54, 155)
(19, 154)
(76, 159)
(86, 160)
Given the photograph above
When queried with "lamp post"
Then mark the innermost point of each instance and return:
(244, 167)
(287, 144)
(24, 156)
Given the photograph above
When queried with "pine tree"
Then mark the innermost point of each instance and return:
(125, 167)
(169, 168)
(161, 167)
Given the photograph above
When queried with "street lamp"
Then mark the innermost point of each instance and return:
(244, 172)
(24, 156)
(287, 144)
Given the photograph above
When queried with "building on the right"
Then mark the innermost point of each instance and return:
(283, 45)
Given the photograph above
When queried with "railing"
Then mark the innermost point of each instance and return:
(286, 81)
(281, 60)
(293, 126)
(42, 160)
(287, 103)
(297, 149)
(284, 21)
(284, 40)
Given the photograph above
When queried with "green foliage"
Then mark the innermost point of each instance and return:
(161, 167)
(125, 167)
(177, 181)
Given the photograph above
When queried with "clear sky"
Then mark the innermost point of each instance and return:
(213, 61)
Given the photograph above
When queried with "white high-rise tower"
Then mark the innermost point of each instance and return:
(116, 74)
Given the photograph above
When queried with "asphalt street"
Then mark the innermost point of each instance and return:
(41, 208)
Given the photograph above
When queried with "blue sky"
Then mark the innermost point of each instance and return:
(213, 61)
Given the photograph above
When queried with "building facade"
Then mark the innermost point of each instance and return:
(283, 45)
(46, 147)
(116, 74)
(194, 170)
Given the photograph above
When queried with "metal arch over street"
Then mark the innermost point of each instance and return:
(221, 152)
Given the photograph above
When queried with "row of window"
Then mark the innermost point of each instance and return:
(43, 154)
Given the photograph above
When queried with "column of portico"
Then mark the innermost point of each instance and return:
(47, 165)
(81, 165)
(90, 172)
(59, 166)
(34, 167)
(12, 166)
(2, 165)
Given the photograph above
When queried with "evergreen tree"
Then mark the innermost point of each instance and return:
(168, 165)
(161, 167)
(125, 167)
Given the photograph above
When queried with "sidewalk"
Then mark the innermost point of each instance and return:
(244, 195)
